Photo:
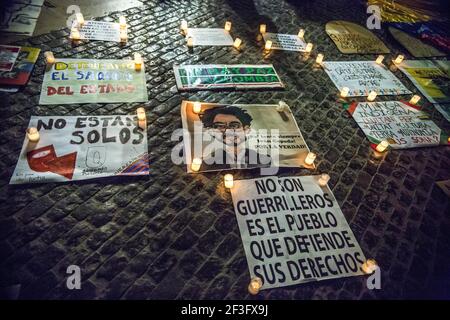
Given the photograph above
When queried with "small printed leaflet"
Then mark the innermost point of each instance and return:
(210, 37)
(289, 42)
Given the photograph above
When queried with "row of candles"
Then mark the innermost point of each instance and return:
(75, 32)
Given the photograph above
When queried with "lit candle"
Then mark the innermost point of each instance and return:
(344, 92)
(380, 59)
(196, 163)
(141, 114)
(137, 61)
(80, 18)
(399, 59)
(228, 180)
(184, 26)
(237, 43)
(197, 108)
(309, 47)
(49, 57)
(228, 26)
(123, 35)
(262, 28)
(369, 266)
(255, 285)
(190, 42)
(75, 34)
(323, 180)
(301, 33)
(382, 146)
(33, 134)
(122, 22)
(309, 160)
(372, 95)
(268, 45)
(281, 106)
(415, 98)
(319, 58)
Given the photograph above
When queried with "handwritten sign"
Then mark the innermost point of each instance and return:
(99, 30)
(401, 124)
(361, 77)
(93, 81)
(290, 42)
(293, 231)
(82, 147)
(210, 37)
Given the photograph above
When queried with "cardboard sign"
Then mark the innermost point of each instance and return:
(99, 30)
(289, 42)
(293, 231)
(431, 77)
(215, 76)
(242, 136)
(210, 37)
(350, 37)
(12, 80)
(82, 147)
(361, 77)
(93, 81)
(8, 56)
(401, 124)
(414, 46)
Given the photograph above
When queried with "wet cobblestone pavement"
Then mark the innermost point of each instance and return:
(175, 235)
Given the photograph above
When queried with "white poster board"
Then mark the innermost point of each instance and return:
(99, 30)
(289, 42)
(210, 37)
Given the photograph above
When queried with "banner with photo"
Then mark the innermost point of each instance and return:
(214, 76)
(20, 61)
(293, 231)
(403, 125)
(93, 81)
(241, 136)
(82, 147)
(289, 42)
(209, 37)
(361, 77)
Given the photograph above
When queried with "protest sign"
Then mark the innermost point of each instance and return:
(99, 30)
(242, 136)
(444, 109)
(210, 37)
(414, 46)
(431, 77)
(350, 37)
(361, 77)
(82, 147)
(20, 16)
(205, 77)
(290, 42)
(18, 76)
(403, 125)
(93, 81)
(293, 231)
(8, 56)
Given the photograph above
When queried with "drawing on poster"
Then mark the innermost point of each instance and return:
(20, 16)
(289, 42)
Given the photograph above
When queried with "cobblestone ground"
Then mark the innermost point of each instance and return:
(174, 235)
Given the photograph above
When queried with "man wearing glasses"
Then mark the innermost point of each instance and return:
(229, 127)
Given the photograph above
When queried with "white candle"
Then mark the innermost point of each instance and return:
(309, 160)
(309, 47)
(184, 26)
(319, 58)
(255, 285)
(382, 146)
(197, 108)
(301, 33)
(123, 35)
(137, 61)
(33, 134)
(80, 18)
(237, 43)
(228, 180)
(228, 26)
(344, 92)
(75, 34)
(190, 42)
(196, 163)
(268, 45)
(141, 114)
(372, 95)
(369, 266)
(49, 57)
(281, 106)
(323, 180)
(122, 22)
(399, 59)
(415, 98)
(380, 59)
(262, 28)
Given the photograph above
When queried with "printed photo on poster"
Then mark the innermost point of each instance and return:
(93, 81)
(8, 56)
(403, 125)
(293, 231)
(13, 80)
(289, 42)
(238, 136)
(82, 147)
(209, 37)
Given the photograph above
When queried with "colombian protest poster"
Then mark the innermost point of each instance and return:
(93, 81)
(209, 37)
(223, 76)
(293, 231)
(23, 62)
(289, 42)
(403, 125)
(8, 56)
(82, 147)
(361, 77)
(241, 136)
(99, 30)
